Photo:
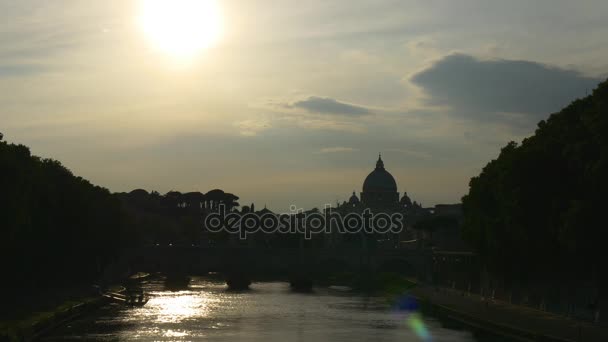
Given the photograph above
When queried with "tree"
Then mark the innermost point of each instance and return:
(54, 225)
(536, 212)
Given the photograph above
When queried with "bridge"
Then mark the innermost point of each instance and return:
(277, 261)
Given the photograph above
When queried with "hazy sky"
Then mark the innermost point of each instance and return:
(296, 98)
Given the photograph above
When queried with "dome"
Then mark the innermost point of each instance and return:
(379, 180)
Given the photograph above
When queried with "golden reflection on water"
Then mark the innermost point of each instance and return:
(269, 312)
(172, 333)
(179, 315)
(176, 307)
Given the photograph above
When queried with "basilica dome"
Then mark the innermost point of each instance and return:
(379, 180)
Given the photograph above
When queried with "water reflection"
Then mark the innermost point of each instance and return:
(177, 306)
(269, 312)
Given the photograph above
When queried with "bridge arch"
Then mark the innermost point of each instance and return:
(334, 266)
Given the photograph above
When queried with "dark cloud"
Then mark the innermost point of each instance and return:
(510, 91)
(326, 105)
(20, 70)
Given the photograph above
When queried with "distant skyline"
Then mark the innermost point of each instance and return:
(292, 101)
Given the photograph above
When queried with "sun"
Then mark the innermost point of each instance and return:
(180, 28)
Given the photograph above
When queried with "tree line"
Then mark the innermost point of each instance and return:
(537, 212)
(57, 228)
(60, 230)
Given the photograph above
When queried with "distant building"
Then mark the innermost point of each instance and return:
(453, 210)
(380, 194)
(380, 188)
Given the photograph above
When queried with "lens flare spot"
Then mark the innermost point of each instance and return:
(417, 325)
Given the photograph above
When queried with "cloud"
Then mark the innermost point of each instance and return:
(11, 70)
(515, 92)
(314, 113)
(337, 150)
(326, 105)
(251, 128)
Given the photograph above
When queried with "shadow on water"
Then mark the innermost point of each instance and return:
(174, 282)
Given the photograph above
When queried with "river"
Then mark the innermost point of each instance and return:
(270, 311)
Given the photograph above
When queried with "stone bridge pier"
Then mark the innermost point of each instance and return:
(298, 264)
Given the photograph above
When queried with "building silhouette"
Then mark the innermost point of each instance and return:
(379, 188)
(380, 194)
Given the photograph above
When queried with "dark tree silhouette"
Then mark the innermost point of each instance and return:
(536, 213)
(54, 225)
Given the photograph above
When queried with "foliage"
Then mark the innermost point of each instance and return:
(174, 218)
(55, 226)
(537, 210)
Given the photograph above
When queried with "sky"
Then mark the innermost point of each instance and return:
(294, 100)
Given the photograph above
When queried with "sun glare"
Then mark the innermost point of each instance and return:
(180, 28)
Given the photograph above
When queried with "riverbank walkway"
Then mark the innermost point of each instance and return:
(527, 323)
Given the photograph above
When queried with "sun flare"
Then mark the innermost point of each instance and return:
(180, 28)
